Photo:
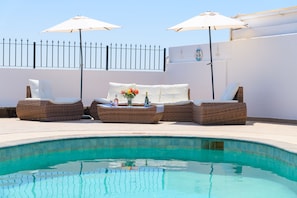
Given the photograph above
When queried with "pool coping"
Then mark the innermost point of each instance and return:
(15, 132)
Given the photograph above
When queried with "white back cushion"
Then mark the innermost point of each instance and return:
(174, 93)
(116, 88)
(34, 87)
(40, 89)
(230, 91)
(153, 92)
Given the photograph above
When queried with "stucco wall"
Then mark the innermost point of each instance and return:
(266, 67)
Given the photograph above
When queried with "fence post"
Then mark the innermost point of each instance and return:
(34, 55)
(164, 59)
(106, 57)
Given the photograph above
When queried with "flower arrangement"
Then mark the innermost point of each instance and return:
(130, 93)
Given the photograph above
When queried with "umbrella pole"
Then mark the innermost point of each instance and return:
(81, 64)
(81, 73)
(211, 64)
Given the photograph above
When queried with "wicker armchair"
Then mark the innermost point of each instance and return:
(215, 113)
(47, 110)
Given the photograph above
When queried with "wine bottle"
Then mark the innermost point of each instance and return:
(146, 100)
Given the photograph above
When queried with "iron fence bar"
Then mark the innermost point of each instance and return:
(149, 56)
(90, 55)
(46, 54)
(27, 55)
(21, 52)
(121, 55)
(101, 59)
(41, 53)
(95, 55)
(164, 60)
(85, 50)
(126, 48)
(9, 43)
(135, 57)
(145, 56)
(58, 53)
(140, 53)
(110, 57)
(130, 56)
(106, 58)
(74, 47)
(101, 56)
(3, 50)
(69, 54)
(115, 55)
(63, 54)
(15, 52)
(34, 55)
(52, 53)
(154, 57)
(159, 57)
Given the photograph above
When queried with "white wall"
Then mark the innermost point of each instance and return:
(266, 67)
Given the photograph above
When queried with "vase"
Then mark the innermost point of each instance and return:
(129, 101)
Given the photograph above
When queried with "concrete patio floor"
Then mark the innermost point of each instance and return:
(14, 131)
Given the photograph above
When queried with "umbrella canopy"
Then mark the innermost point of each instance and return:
(79, 24)
(208, 21)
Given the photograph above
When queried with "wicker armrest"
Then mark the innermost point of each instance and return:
(93, 109)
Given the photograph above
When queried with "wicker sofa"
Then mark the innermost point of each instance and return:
(230, 109)
(39, 105)
(174, 97)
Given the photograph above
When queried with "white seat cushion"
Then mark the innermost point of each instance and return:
(199, 102)
(57, 100)
(102, 100)
(176, 103)
(66, 100)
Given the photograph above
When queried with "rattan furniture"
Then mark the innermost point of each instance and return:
(47, 110)
(214, 113)
(130, 114)
(174, 97)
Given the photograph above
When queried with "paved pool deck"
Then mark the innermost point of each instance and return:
(14, 131)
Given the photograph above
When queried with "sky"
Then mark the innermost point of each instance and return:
(143, 22)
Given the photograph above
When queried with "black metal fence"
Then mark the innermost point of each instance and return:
(65, 55)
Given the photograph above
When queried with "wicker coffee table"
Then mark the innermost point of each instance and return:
(130, 114)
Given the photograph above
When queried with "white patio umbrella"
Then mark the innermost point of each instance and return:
(79, 24)
(208, 21)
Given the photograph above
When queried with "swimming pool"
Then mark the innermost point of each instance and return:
(147, 167)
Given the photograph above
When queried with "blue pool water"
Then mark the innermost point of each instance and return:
(147, 167)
